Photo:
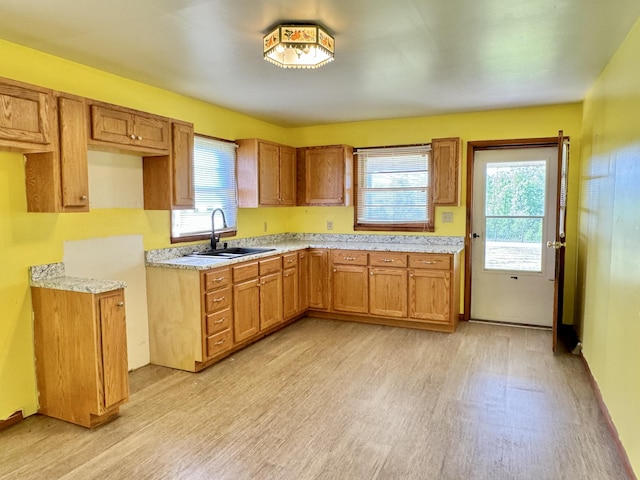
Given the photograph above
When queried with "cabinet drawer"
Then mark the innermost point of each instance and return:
(218, 321)
(349, 257)
(218, 343)
(217, 300)
(289, 260)
(271, 265)
(245, 271)
(429, 260)
(387, 259)
(217, 278)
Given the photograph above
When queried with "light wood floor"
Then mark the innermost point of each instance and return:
(335, 400)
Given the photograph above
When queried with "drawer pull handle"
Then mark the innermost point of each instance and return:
(428, 262)
(220, 299)
(220, 321)
(290, 260)
(219, 279)
(220, 342)
(388, 260)
(120, 304)
(349, 258)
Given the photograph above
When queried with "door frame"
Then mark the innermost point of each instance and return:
(472, 147)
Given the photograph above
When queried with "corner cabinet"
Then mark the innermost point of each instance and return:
(446, 168)
(325, 175)
(81, 354)
(266, 173)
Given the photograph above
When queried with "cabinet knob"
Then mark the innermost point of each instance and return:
(371, 273)
(133, 137)
(335, 270)
(83, 197)
(139, 137)
(120, 304)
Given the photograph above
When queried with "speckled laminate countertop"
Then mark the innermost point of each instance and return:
(53, 276)
(175, 257)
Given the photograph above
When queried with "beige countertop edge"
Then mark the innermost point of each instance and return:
(205, 263)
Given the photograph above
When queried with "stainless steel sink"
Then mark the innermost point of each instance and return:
(233, 252)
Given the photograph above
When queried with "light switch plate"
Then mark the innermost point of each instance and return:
(447, 217)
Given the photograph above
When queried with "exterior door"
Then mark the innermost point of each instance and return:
(514, 216)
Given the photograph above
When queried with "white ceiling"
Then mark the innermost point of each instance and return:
(394, 58)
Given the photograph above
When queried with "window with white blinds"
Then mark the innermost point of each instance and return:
(393, 188)
(214, 176)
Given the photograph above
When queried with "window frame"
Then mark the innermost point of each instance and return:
(205, 236)
(427, 226)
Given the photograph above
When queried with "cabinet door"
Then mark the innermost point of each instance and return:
(269, 177)
(109, 125)
(246, 309)
(74, 173)
(287, 175)
(113, 329)
(270, 300)
(388, 292)
(182, 162)
(429, 295)
(303, 280)
(150, 131)
(318, 280)
(446, 160)
(290, 297)
(25, 115)
(350, 288)
(324, 176)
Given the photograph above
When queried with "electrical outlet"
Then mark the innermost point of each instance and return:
(447, 217)
(265, 226)
(329, 224)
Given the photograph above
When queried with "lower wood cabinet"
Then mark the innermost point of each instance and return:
(419, 290)
(197, 318)
(318, 279)
(81, 354)
(349, 281)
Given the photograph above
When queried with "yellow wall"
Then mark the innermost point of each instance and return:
(35, 238)
(609, 250)
(29, 238)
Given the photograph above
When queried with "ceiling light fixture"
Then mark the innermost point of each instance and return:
(299, 46)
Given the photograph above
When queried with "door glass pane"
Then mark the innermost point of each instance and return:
(514, 213)
(516, 188)
(513, 244)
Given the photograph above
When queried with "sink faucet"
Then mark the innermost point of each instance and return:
(215, 238)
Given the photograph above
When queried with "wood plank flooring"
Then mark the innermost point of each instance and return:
(325, 399)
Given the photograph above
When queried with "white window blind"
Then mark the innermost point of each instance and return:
(214, 176)
(394, 186)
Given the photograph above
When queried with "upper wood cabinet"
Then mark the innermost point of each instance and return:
(128, 130)
(266, 173)
(168, 179)
(81, 354)
(446, 168)
(325, 175)
(26, 117)
(58, 181)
